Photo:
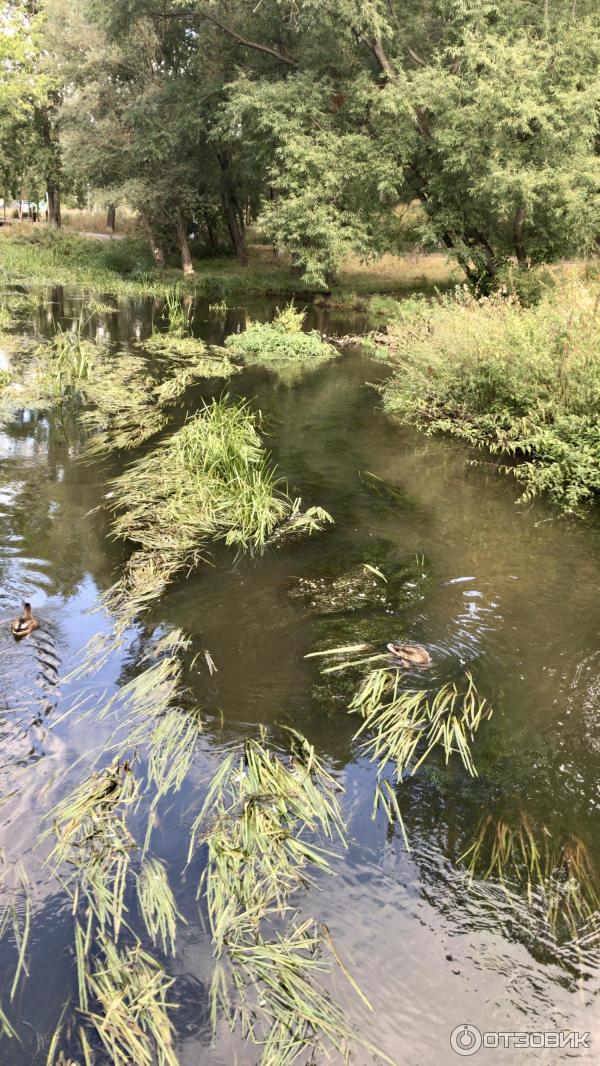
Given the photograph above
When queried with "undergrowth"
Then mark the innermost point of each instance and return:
(523, 382)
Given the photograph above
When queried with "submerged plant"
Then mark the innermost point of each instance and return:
(560, 875)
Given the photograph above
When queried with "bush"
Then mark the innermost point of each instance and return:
(522, 382)
(282, 340)
(528, 286)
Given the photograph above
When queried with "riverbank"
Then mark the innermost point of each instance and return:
(37, 256)
(521, 382)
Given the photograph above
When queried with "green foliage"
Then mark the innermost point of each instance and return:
(522, 382)
(281, 341)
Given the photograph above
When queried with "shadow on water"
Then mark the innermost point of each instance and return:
(505, 591)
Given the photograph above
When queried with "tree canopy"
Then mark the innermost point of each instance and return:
(317, 122)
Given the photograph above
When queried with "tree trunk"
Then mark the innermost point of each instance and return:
(53, 199)
(519, 246)
(111, 218)
(186, 260)
(234, 216)
(236, 228)
(157, 253)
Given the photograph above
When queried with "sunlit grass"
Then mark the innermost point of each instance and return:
(407, 726)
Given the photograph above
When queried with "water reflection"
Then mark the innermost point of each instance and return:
(507, 591)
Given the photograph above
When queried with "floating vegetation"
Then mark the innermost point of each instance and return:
(157, 905)
(407, 725)
(93, 842)
(363, 587)
(559, 875)
(15, 920)
(191, 351)
(130, 396)
(281, 341)
(122, 993)
(211, 480)
(130, 988)
(258, 821)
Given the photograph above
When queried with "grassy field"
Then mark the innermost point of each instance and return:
(34, 255)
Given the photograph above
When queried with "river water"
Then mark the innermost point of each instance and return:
(507, 591)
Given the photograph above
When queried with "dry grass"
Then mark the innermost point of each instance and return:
(392, 273)
(81, 221)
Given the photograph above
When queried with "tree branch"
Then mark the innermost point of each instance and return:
(281, 57)
(376, 47)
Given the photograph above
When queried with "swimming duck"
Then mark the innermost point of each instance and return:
(25, 624)
(410, 654)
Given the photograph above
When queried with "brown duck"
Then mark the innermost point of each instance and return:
(410, 654)
(25, 624)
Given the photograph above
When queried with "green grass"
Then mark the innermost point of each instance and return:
(39, 256)
(269, 823)
(523, 382)
(281, 341)
(210, 480)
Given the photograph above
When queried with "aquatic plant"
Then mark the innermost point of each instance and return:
(258, 821)
(64, 364)
(522, 382)
(211, 480)
(178, 310)
(132, 1019)
(407, 725)
(281, 341)
(129, 397)
(558, 874)
(122, 993)
(157, 905)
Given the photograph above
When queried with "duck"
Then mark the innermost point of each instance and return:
(25, 624)
(410, 654)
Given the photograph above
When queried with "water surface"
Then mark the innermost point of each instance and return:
(507, 591)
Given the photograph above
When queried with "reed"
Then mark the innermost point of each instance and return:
(258, 822)
(408, 726)
(178, 310)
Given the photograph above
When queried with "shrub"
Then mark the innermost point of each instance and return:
(522, 382)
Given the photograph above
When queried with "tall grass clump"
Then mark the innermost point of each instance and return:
(523, 382)
(211, 480)
(281, 341)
